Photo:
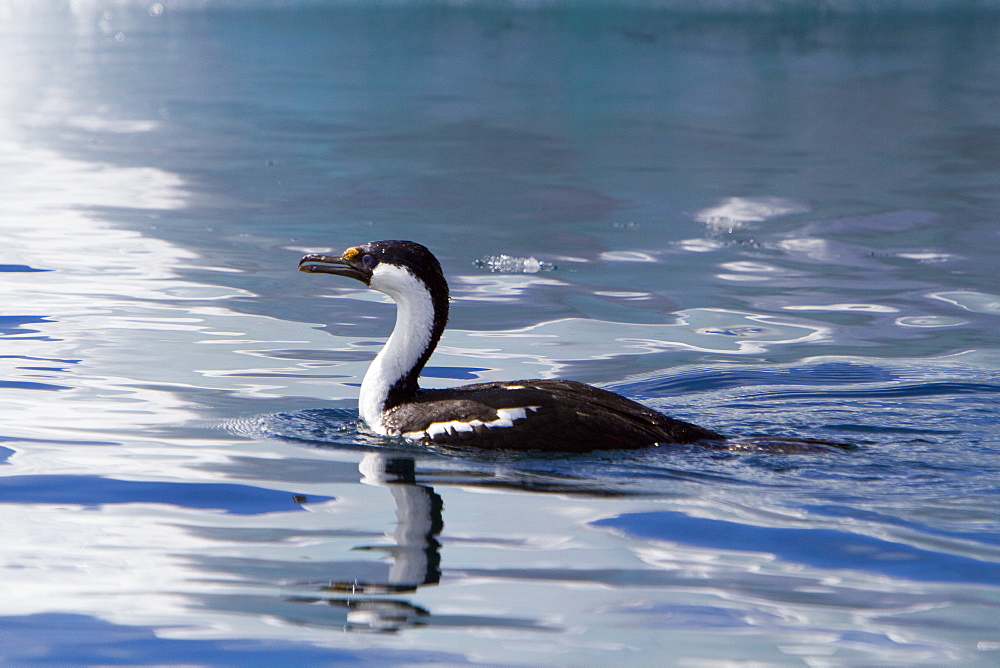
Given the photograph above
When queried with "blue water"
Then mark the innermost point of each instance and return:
(776, 220)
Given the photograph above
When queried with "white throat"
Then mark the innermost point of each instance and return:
(409, 339)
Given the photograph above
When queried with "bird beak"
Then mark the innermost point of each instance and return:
(347, 264)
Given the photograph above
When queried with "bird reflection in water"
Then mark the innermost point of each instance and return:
(415, 557)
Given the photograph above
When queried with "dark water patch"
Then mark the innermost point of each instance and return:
(456, 372)
(882, 429)
(30, 385)
(885, 223)
(602, 473)
(19, 268)
(882, 519)
(819, 548)
(14, 325)
(914, 390)
(702, 380)
(95, 491)
(5, 454)
(63, 639)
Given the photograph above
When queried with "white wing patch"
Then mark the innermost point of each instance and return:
(505, 418)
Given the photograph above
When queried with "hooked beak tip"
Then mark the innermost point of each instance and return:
(308, 261)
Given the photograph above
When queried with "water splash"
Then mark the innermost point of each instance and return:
(508, 264)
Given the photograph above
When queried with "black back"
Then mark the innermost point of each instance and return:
(569, 416)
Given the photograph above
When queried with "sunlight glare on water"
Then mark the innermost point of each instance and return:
(774, 221)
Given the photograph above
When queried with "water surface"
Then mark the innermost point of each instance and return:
(776, 224)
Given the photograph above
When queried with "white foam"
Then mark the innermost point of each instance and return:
(627, 256)
(734, 213)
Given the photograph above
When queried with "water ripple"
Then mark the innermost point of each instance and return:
(814, 547)
(93, 491)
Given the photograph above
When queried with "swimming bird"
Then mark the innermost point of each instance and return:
(556, 415)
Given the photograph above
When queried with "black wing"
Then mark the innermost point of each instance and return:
(538, 415)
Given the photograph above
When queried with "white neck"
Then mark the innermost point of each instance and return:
(409, 339)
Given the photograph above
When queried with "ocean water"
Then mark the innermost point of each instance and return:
(773, 219)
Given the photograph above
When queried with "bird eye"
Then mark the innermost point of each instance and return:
(368, 261)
